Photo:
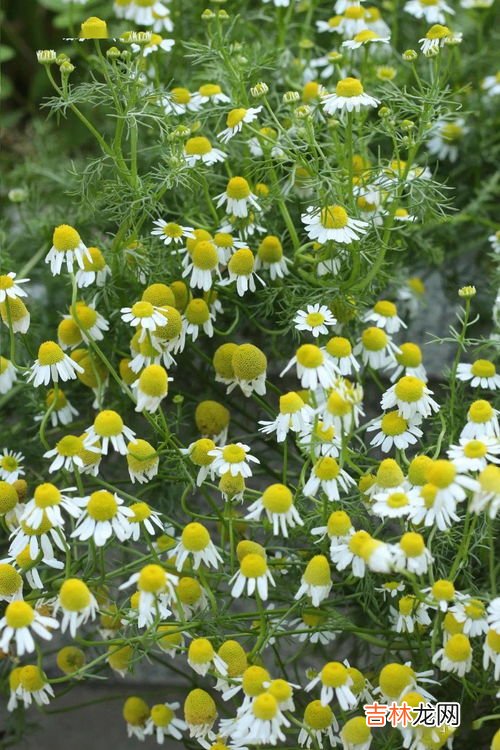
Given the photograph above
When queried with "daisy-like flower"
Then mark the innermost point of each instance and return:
(451, 485)
(481, 374)
(151, 388)
(10, 288)
(238, 198)
(197, 316)
(67, 247)
(200, 713)
(411, 554)
(179, 100)
(270, 257)
(262, 724)
(235, 120)
(103, 515)
(28, 684)
(199, 149)
(234, 459)
(11, 583)
(482, 421)
(136, 714)
(201, 657)
(396, 680)
(195, 542)
(342, 409)
(486, 495)
(11, 465)
(493, 612)
(170, 232)
(242, 269)
(332, 25)
(408, 361)
(316, 581)
(156, 43)
(163, 722)
(440, 595)
(8, 375)
(91, 324)
(315, 627)
(376, 348)
(455, 656)
(95, 269)
(356, 735)
(349, 96)
(392, 504)
(335, 682)
(249, 364)
(63, 411)
(394, 431)
(332, 223)
(316, 319)
(144, 518)
(277, 502)
(385, 315)
(46, 504)
(364, 38)
(433, 11)
(474, 455)
(156, 589)
(143, 13)
(77, 604)
(144, 316)
(445, 139)
(471, 613)
(313, 367)
(66, 454)
(327, 475)
(200, 454)
(204, 262)
(411, 397)
(211, 93)
(346, 552)
(437, 36)
(339, 350)
(20, 622)
(294, 415)
(491, 652)
(108, 427)
(430, 511)
(320, 440)
(339, 528)
(52, 365)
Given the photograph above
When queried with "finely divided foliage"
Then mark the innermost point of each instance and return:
(227, 448)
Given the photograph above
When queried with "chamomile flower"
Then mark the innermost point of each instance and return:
(8, 375)
(437, 36)
(411, 554)
(319, 723)
(474, 455)
(11, 583)
(142, 461)
(77, 604)
(249, 365)
(234, 459)
(452, 485)
(493, 612)
(204, 262)
(396, 680)
(253, 576)
(481, 374)
(332, 223)
(163, 722)
(432, 11)
(455, 656)
(277, 502)
(103, 515)
(316, 582)
(20, 622)
(335, 682)
(95, 269)
(270, 257)
(199, 149)
(200, 454)
(471, 613)
(385, 315)
(391, 504)
(339, 349)
(136, 714)
(235, 120)
(144, 518)
(316, 319)
(364, 38)
(294, 415)
(195, 542)
(151, 388)
(28, 684)
(155, 43)
(144, 12)
(342, 407)
(486, 495)
(52, 365)
(349, 96)
(346, 552)
(197, 316)
(179, 100)
(67, 247)
(332, 25)
(376, 348)
(313, 367)
(10, 288)
(408, 361)
(409, 614)
(411, 397)
(428, 509)
(491, 652)
(356, 735)
(156, 590)
(320, 440)
(242, 270)
(440, 595)
(200, 713)
(238, 198)
(445, 139)
(482, 421)
(338, 529)
(170, 232)
(313, 625)
(108, 427)
(327, 475)
(11, 465)
(394, 432)
(144, 316)
(46, 504)
(211, 93)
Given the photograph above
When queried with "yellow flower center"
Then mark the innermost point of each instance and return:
(70, 659)
(50, 353)
(291, 403)
(451, 624)
(334, 217)
(412, 544)
(339, 347)
(242, 262)
(349, 87)
(394, 678)
(480, 411)
(397, 500)
(135, 711)
(409, 389)
(441, 473)
(356, 732)
(180, 95)
(46, 495)
(65, 238)
(197, 312)
(161, 715)
(411, 355)
(94, 28)
(393, 424)
(199, 452)
(6, 282)
(19, 615)
(102, 506)
(493, 641)
(74, 595)
(189, 590)
(195, 537)
(417, 470)
(315, 319)
(85, 315)
(438, 32)
(277, 498)
(70, 445)
(153, 381)
(141, 512)
(338, 406)
(367, 35)
(270, 249)
(358, 541)
(108, 423)
(97, 263)
(483, 368)
(334, 674)
(233, 454)
(198, 146)
(443, 590)
(489, 479)
(385, 308)
(309, 356)
(317, 572)
(235, 116)
(200, 651)
(249, 362)
(140, 455)
(407, 605)
(318, 717)
(389, 474)
(265, 707)
(339, 523)
(253, 566)
(234, 656)
(253, 680)
(354, 13)
(451, 132)
(475, 449)
(416, 285)
(238, 188)
(327, 468)
(474, 609)
(142, 309)
(458, 648)
(210, 89)
(10, 580)
(374, 339)
(31, 678)
(199, 708)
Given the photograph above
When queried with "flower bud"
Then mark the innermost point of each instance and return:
(410, 55)
(303, 112)
(113, 53)
(66, 68)
(207, 15)
(93, 28)
(289, 97)
(467, 292)
(46, 56)
(260, 89)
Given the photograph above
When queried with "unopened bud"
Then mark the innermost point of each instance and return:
(410, 55)
(46, 56)
(260, 89)
(289, 97)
